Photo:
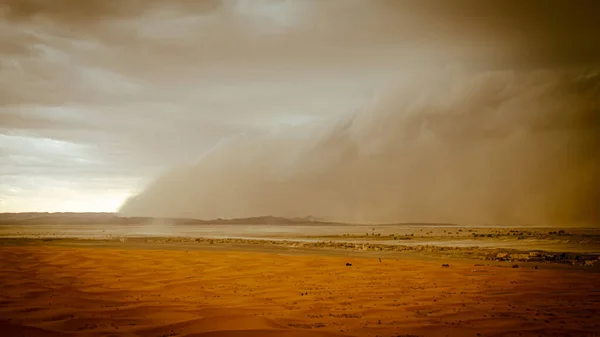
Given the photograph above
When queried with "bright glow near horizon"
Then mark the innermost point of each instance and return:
(63, 201)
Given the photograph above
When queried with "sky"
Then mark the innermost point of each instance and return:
(357, 110)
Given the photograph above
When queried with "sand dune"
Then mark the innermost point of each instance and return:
(60, 291)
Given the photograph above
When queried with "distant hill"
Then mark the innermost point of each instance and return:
(115, 219)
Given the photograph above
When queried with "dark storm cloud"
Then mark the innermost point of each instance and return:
(528, 33)
(501, 32)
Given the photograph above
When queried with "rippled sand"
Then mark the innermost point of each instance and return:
(121, 291)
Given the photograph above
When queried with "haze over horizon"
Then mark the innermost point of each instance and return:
(364, 111)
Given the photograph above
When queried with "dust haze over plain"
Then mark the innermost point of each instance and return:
(510, 140)
(492, 147)
(509, 143)
(481, 112)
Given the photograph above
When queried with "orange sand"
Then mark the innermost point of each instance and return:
(57, 291)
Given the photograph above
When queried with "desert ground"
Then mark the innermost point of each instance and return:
(89, 288)
(297, 280)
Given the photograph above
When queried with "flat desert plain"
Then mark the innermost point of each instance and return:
(119, 290)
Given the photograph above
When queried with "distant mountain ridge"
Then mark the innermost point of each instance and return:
(114, 218)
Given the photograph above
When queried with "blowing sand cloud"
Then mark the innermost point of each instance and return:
(489, 147)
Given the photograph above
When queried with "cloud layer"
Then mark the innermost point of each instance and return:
(100, 96)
